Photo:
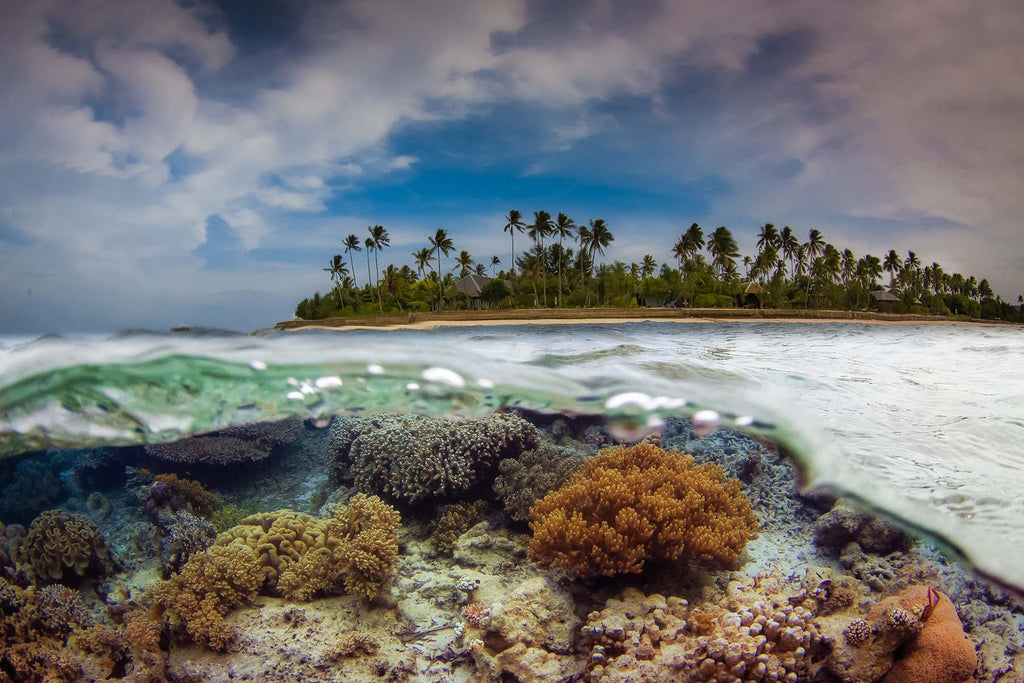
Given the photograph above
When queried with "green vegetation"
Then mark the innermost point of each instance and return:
(560, 269)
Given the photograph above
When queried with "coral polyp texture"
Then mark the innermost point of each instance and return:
(300, 555)
(522, 481)
(630, 505)
(236, 444)
(211, 584)
(411, 457)
(63, 548)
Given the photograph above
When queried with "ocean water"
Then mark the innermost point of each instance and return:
(922, 422)
(922, 425)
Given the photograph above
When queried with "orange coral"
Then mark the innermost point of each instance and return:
(630, 505)
(941, 652)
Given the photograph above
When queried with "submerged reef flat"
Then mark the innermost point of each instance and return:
(516, 547)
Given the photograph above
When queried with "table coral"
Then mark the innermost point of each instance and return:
(235, 444)
(412, 457)
(630, 505)
(61, 548)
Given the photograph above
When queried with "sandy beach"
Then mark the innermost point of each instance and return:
(551, 316)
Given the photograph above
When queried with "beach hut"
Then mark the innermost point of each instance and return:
(471, 286)
(750, 295)
(886, 301)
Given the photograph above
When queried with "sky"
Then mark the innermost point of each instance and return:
(166, 163)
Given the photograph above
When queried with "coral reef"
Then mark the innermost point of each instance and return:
(182, 535)
(412, 457)
(846, 523)
(524, 480)
(195, 601)
(453, 521)
(768, 482)
(631, 505)
(97, 506)
(11, 537)
(301, 556)
(171, 492)
(63, 548)
(237, 444)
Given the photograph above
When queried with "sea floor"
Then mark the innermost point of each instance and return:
(826, 592)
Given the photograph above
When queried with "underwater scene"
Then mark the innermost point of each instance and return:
(730, 502)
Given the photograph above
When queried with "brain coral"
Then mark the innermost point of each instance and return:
(411, 457)
(299, 555)
(630, 505)
(60, 547)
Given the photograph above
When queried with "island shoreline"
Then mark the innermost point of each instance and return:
(597, 316)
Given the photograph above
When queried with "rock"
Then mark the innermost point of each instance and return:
(536, 665)
(845, 523)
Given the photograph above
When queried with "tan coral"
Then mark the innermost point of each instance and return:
(210, 584)
(63, 547)
(630, 505)
(355, 551)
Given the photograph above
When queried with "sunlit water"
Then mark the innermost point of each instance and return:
(926, 423)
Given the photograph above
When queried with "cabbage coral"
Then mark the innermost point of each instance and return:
(630, 505)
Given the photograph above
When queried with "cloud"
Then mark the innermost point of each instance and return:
(874, 121)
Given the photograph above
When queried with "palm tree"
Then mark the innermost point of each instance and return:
(938, 278)
(495, 261)
(422, 258)
(481, 270)
(849, 265)
(984, 289)
(381, 239)
(647, 267)
(690, 242)
(392, 283)
(893, 266)
(815, 244)
(564, 227)
(767, 237)
(788, 243)
(351, 243)
(465, 263)
(800, 261)
(538, 230)
(513, 224)
(594, 239)
(440, 244)
(336, 267)
(368, 243)
(722, 248)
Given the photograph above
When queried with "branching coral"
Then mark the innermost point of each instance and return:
(211, 584)
(412, 457)
(60, 547)
(453, 521)
(522, 481)
(630, 505)
(300, 556)
(241, 443)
